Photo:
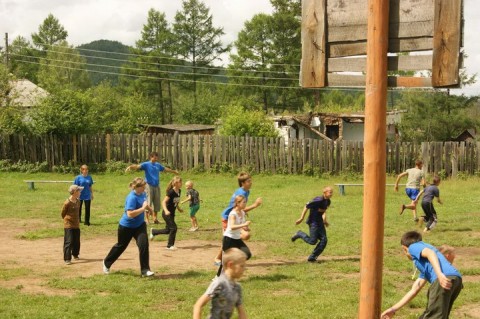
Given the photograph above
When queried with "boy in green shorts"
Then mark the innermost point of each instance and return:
(194, 198)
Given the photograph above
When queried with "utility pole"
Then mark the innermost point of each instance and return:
(6, 50)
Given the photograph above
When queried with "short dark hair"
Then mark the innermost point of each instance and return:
(410, 237)
(242, 177)
(436, 180)
(152, 154)
(418, 162)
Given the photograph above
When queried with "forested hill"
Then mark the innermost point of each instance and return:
(107, 55)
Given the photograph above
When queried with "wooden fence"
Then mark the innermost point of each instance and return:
(273, 155)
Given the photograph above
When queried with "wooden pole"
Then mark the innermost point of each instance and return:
(374, 161)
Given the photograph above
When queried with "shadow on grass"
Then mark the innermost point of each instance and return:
(272, 263)
(87, 260)
(201, 246)
(269, 278)
(186, 275)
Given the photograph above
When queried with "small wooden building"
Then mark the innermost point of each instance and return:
(182, 129)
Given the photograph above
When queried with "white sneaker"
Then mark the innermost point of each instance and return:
(151, 236)
(68, 262)
(148, 273)
(106, 270)
(172, 248)
(192, 229)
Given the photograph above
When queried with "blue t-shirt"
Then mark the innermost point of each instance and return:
(133, 201)
(152, 172)
(424, 265)
(239, 191)
(315, 216)
(86, 182)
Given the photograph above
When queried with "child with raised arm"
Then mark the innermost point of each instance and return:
(194, 202)
(429, 193)
(170, 205)
(71, 225)
(224, 292)
(317, 221)
(245, 183)
(415, 179)
(445, 281)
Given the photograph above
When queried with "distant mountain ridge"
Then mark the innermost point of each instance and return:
(108, 56)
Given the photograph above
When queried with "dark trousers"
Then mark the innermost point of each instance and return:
(440, 301)
(87, 211)
(170, 229)
(233, 243)
(317, 233)
(71, 243)
(430, 214)
(125, 235)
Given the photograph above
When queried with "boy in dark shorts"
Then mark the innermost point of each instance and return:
(429, 193)
(445, 281)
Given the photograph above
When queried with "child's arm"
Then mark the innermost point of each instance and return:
(241, 312)
(164, 205)
(257, 203)
(197, 308)
(444, 282)
(134, 167)
(189, 198)
(439, 200)
(298, 221)
(64, 210)
(135, 212)
(231, 221)
(398, 180)
(416, 287)
(324, 216)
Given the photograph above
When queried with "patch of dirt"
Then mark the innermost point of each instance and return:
(467, 311)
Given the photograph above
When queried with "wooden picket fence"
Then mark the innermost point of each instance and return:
(185, 152)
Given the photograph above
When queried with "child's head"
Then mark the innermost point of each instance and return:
(176, 181)
(244, 180)
(409, 238)
(448, 252)
(327, 192)
(75, 190)
(419, 164)
(137, 183)
(84, 170)
(188, 184)
(436, 180)
(239, 202)
(233, 260)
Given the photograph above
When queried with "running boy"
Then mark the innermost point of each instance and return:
(224, 292)
(194, 198)
(445, 281)
(317, 221)
(415, 179)
(429, 193)
(71, 225)
(245, 183)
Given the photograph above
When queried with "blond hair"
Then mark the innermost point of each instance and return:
(174, 180)
(238, 199)
(242, 178)
(234, 256)
(137, 182)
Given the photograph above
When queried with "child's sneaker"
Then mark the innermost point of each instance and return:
(151, 236)
(148, 273)
(192, 229)
(217, 262)
(68, 262)
(195, 229)
(172, 248)
(106, 270)
(76, 258)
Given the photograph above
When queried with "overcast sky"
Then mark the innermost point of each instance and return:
(122, 20)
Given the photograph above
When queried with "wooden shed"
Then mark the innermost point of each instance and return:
(182, 129)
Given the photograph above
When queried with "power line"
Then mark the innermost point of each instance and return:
(201, 82)
(160, 71)
(148, 56)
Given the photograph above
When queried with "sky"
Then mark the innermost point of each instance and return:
(122, 20)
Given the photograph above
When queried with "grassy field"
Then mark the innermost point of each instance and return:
(294, 289)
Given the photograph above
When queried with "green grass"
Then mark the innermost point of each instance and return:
(295, 289)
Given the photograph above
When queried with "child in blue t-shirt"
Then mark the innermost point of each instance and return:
(86, 196)
(445, 281)
(317, 221)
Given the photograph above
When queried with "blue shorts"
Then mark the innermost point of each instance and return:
(412, 192)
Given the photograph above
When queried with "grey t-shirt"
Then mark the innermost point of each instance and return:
(415, 176)
(430, 192)
(194, 197)
(226, 295)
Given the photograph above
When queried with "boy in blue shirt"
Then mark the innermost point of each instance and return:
(445, 281)
(317, 221)
(152, 169)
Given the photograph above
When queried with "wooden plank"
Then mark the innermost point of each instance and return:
(353, 33)
(395, 63)
(336, 50)
(446, 43)
(349, 80)
(312, 71)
